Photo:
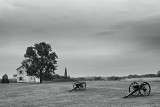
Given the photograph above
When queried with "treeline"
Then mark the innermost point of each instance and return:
(66, 78)
(98, 78)
(5, 79)
(134, 76)
(113, 78)
(10, 80)
(58, 78)
(140, 76)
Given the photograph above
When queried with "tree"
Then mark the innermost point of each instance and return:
(5, 79)
(97, 78)
(15, 75)
(158, 73)
(40, 61)
(65, 73)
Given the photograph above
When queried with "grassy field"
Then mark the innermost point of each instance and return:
(155, 79)
(97, 94)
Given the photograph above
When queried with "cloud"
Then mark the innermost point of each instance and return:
(137, 34)
(11, 51)
(88, 35)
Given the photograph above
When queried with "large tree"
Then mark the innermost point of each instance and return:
(40, 61)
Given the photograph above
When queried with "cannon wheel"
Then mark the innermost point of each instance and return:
(145, 89)
(131, 88)
(74, 85)
(83, 86)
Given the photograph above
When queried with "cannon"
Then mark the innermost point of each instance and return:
(143, 89)
(79, 85)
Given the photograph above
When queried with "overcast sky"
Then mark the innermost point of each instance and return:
(90, 37)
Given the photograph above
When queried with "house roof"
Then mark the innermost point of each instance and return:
(19, 67)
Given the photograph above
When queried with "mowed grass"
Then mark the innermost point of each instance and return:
(154, 79)
(97, 94)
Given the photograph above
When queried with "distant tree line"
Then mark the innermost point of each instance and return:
(58, 78)
(114, 78)
(158, 73)
(98, 78)
(55, 77)
(134, 76)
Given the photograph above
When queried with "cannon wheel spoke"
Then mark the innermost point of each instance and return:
(131, 88)
(145, 89)
(82, 86)
(74, 85)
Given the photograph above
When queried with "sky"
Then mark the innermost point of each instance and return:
(90, 37)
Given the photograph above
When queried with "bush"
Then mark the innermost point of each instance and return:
(5, 79)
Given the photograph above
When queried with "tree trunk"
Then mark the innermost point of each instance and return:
(40, 79)
(40, 76)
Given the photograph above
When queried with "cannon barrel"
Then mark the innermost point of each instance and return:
(131, 93)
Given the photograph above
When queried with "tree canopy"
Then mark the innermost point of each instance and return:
(5, 79)
(40, 61)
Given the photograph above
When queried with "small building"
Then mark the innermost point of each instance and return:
(23, 77)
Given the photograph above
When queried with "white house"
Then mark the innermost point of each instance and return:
(23, 77)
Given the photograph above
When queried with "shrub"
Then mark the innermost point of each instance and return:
(5, 79)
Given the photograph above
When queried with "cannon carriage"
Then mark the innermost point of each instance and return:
(143, 89)
(79, 85)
